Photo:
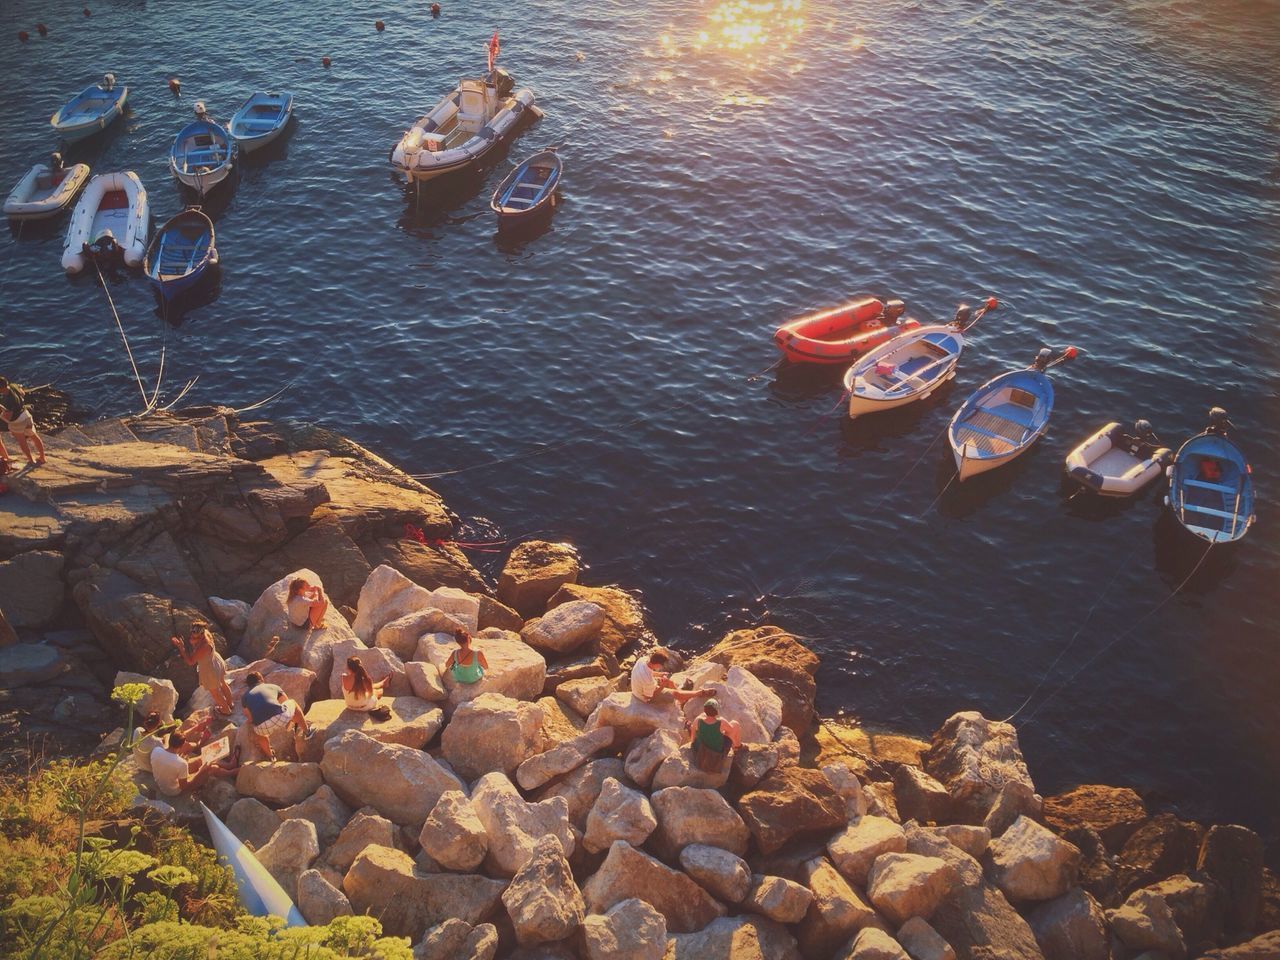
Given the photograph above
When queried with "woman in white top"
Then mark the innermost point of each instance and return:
(360, 691)
(306, 604)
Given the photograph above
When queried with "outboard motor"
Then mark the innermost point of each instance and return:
(503, 82)
(964, 316)
(1042, 359)
(55, 162)
(1218, 422)
(108, 81)
(893, 309)
(201, 112)
(104, 248)
(1143, 430)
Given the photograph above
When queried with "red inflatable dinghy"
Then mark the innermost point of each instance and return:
(842, 333)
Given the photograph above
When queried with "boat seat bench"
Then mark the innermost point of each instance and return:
(1206, 485)
(1225, 515)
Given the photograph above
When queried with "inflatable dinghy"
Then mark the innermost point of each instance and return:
(842, 333)
(1113, 463)
(43, 193)
(1211, 484)
(112, 219)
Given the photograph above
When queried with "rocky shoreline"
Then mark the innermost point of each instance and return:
(545, 812)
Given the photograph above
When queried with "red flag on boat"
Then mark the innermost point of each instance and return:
(494, 49)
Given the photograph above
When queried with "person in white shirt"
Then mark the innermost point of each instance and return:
(650, 681)
(176, 773)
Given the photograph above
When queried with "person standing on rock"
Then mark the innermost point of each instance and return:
(361, 692)
(15, 412)
(466, 664)
(712, 736)
(650, 682)
(268, 708)
(306, 604)
(211, 669)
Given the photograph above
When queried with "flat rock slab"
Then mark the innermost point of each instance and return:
(26, 663)
(413, 723)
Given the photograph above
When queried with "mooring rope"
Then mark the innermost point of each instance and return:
(120, 326)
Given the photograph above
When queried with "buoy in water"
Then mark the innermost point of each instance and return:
(87, 12)
(42, 29)
(435, 9)
(379, 25)
(175, 86)
(324, 62)
(23, 36)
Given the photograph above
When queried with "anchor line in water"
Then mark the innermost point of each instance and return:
(120, 326)
(1132, 627)
(13, 249)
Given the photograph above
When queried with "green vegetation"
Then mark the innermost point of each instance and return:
(82, 877)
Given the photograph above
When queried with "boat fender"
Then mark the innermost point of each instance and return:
(324, 62)
(964, 314)
(42, 29)
(23, 36)
(435, 10)
(108, 81)
(175, 86)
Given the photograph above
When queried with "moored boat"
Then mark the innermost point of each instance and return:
(111, 221)
(840, 334)
(90, 110)
(471, 121)
(262, 118)
(1114, 463)
(911, 366)
(46, 190)
(1211, 484)
(529, 190)
(181, 252)
(202, 154)
(1004, 417)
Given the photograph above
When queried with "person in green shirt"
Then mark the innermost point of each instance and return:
(712, 736)
(15, 413)
(466, 664)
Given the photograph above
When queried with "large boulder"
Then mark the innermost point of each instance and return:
(290, 851)
(564, 628)
(781, 662)
(319, 901)
(324, 810)
(1161, 847)
(453, 835)
(779, 899)
(1199, 908)
(735, 938)
(632, 717)
(161, 698)
(425, 681)
(747, 701)
(1114, 812)
(492, 733)
(627, 873)
(1071, 927)
(919, 797)
(401, 635)
(433, 564)
(922, 942)
(279, 782)
(584, 694)
(836, 911)
(231, 615)
(252, 821)
(365, 829)
(722, 874)
(22, 664)
(382, 665)
(974, 757)
(413, 723)
(533, 572)
(516, 670)
(298, 646)
(680, 770)
(1145, 922)
(582, 787)
(647, 754)
(855, 848)
(693, 815)
(387, 595)
(1030, 862)
(385, 884)
(561, 759)
(1232, 855)
(543, 900)
(32, 590)
(619, 813)
(401, 783)
(456, 939)
(514, 825)
(1265, 947)
(629, 930)
(624, 624)
(873, 944)
(906, 885)
(789, 803)
(1015, 799)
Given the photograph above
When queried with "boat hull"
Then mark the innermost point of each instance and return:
(115, 202)
(419, 165)
(536, 180)
(23, 204)
(247, 135)
(260, 892)
(1002, 420)
(1215, 509)
(202, 156)
(73, 131)
(202, 183)
(838, 335)
(197, 262)
(870, 393)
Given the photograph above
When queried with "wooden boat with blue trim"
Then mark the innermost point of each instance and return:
(1211, 485)
(181, 253)
(202, 153)
(90, 110)
(529, 190)
(262, 118)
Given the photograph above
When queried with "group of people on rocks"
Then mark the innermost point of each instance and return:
(711, 735)
(18, 421)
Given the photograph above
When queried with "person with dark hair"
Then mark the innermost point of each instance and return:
(712, 737)
(267, 709)
(361, 692)
(176, 772)
(466, 665)
(211, 669)
(17, 416)
(650, 681)
(306, 604)
(154, 730)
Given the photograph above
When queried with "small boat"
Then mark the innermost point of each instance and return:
(1004, 416)
(1211, 484)
(202, 153)
(90, 110)
(1113, 463)
(46, 190)
(842, 333)
(469, 123)
(260, 892)
(910, 366)
(263, 117)
(111, 220)
(528, 190)
(180, 253)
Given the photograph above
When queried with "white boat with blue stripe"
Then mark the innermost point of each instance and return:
(1211, 485)
(261, 120)
(90, 110)
(529, 190)
(202, 154)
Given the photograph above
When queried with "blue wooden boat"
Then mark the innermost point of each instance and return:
(180, 253)
(528, 190)
(263, 117)
(1004, 416)
(1211, 485)
(90, 110)
(202, 153)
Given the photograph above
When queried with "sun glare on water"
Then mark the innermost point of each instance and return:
(757, 30)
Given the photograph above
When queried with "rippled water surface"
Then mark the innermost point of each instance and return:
(1110, 171)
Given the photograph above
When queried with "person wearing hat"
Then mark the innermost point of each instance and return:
(712, 736)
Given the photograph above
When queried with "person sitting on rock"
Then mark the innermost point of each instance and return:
(650, 682)
(17, 415)
(268, 708)
(466, 664)
(712, 736)
(152, 734)
(361, 692)
(211, 669)
(306, 604)
(175, 772)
